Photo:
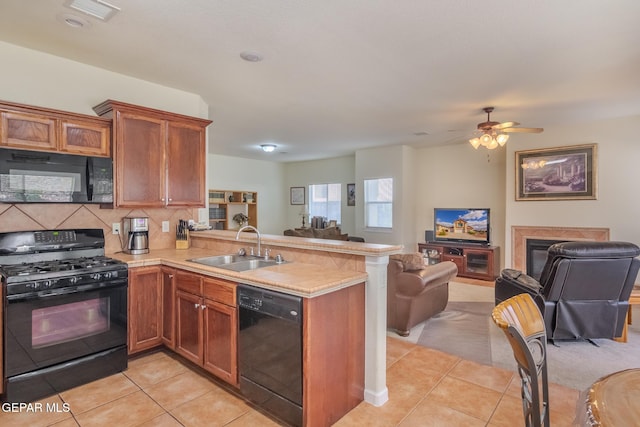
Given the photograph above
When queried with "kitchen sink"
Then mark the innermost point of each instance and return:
(236, 262)
(217, 261)
(250, 264)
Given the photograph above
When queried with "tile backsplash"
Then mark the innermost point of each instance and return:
(36, 216)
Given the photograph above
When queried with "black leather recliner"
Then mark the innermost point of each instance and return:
(584, 288)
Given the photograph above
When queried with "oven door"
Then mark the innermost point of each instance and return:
(45, 329)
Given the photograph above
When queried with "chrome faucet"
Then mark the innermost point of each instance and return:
(251, 227)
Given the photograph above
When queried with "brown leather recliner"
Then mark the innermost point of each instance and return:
(414, 296)
(584, 288)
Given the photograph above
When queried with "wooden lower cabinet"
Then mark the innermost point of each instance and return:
(333, 355)
(207, 324)
(473, 261)
(145, 308)
(197, 317)
(189, 330)
(168, 307)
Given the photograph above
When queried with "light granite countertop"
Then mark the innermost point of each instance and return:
(295, 278)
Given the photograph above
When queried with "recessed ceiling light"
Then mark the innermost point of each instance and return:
(421, 133)
(268, 148)
(73, 21)
(97, 8)
(250, 56)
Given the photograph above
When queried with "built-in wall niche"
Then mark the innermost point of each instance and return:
(225, 204)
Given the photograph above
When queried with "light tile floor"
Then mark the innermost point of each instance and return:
(426, 388)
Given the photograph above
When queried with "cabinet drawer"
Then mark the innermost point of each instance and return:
(221, 291)
(456, 259)
(191, 283)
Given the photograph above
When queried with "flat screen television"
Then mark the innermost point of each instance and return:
(461, 225)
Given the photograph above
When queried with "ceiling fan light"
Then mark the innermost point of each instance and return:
(502, 139)
(493, 144)
(475, 142)
(486, 139)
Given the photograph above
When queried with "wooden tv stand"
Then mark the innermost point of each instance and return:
(473, 261)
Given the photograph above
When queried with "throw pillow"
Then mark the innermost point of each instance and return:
(410, 261)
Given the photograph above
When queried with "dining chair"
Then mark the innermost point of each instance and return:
(521, 321)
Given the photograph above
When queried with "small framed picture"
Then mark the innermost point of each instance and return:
(297, 195)
(351, 194)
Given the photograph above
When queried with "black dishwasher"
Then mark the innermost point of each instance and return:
(270, 351)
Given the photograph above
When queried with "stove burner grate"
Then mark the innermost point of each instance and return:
(42, 267)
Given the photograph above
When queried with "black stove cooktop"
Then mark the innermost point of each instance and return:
(49, 259)
(70, 265)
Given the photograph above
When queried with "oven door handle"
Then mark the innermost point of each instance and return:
(65, 291)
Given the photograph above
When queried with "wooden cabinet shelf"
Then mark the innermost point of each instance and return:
(473, 261)
(224, 204)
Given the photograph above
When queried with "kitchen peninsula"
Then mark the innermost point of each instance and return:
(336, 279)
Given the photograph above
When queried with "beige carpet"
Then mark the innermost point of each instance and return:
(466, 330)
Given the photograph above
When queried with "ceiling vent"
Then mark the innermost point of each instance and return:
(96, 8)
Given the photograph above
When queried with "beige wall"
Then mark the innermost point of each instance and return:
(457, 176)
(267, 178)
(395, 162)
(36, 78)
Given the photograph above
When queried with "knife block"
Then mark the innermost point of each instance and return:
(184, 244)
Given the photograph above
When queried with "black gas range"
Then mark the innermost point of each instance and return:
(65, 311)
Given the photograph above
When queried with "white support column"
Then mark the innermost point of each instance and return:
(375, 361)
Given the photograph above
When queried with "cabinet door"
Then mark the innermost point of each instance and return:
(221, 341)
(91, 139)
(140, 151)
(478, 263)
(189, 326)
(168, 307)
(145, 309)
(186, 155)
(29, 131)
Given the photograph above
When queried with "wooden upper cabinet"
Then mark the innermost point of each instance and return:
(160, 157)
(186, 154)
(139, 148)
(34, 128)
(29, 131)
(91, 139)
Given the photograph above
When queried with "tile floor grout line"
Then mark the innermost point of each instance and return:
(412, 410)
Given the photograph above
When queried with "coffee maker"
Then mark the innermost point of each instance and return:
(136, 234)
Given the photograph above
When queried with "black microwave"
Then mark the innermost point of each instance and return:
(46, 177)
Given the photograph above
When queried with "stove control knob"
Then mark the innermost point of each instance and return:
(73, 279)
(96, 276)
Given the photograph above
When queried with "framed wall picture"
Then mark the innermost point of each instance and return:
(561, 173)
(297, 195)
(351, 194)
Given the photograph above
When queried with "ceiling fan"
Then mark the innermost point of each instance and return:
(494, 134)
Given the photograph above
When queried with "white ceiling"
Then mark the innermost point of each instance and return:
(342, 75)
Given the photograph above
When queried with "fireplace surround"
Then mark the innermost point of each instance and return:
(520, 235)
